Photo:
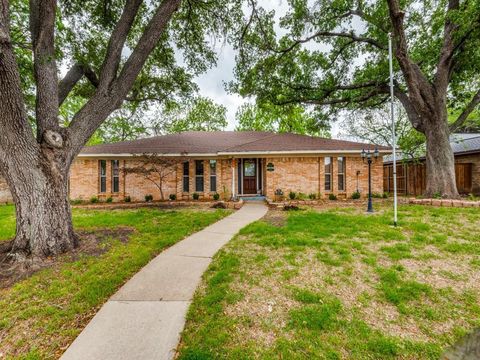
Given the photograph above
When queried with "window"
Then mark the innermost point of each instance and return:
(115, 176)
(328, 173)
(103, 175)
(213, 175)
(199, 175)
(341, 173)
(186, 176)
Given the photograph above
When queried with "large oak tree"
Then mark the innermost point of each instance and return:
(116, 51)
(333, 55)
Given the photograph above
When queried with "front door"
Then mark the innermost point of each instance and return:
(249, 176)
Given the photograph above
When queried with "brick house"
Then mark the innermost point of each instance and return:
(411, 175)
(230, 164)
(225, 162)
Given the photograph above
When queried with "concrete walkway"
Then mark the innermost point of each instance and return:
(144, 319)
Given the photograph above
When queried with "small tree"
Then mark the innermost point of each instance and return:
(155, 169)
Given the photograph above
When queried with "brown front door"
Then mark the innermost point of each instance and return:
(249, 176)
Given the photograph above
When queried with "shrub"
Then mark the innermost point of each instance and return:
(376, 195)
(76, 202)
(292, 195)
(195, 196)
(216, 196)
(332, 197)
(172, 197)
(356, 195)
(302, 196)
(472, 197)
(148, 197)
(312, 196)
(437, 195)
(127, 199)
(220, 205)
(94, 200)
(385, 195)
(109, 199)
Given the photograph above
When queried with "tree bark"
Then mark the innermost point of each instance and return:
(440, 161)
(44, 226)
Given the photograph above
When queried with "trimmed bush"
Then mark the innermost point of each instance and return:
(385, 195)
(292, 195)
(332, 197)
(94, 200)
(172, 197)
(195, 196)
(109, 199)
(127, 199)
(148, 197)
(216, 196)
(356, 195)
(76, 202)
(312, 196)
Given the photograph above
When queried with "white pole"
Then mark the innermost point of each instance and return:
(394, 140)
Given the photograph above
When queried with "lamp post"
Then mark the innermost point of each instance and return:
(370, 156)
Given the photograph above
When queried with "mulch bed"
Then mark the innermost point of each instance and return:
(91, 243)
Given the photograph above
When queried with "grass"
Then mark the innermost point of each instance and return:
(338, 284)
(41, 315)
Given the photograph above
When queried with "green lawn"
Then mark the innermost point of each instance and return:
(340, 284)
(41, 315)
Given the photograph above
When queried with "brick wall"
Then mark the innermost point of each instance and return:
(84, 181)
(307, 175)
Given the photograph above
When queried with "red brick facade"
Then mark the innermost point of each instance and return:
(299, 174)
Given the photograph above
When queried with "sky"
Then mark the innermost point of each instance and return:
(212, 83)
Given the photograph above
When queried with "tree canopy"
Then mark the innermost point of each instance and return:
(269, 117)
(334, 55)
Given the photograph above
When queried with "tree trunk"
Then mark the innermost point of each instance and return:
(440, 163)
(44, 219)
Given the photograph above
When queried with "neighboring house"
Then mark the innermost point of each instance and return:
(411, 175)
(230, 163)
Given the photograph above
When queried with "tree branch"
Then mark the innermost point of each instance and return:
(349, 35)
(72, 77)
(445, 62)
(97, 109)
(42, 28)
(467, 111)
(117, 41)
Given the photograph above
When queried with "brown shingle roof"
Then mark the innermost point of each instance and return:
(226, 142)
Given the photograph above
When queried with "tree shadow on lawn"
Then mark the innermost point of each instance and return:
(91, 243)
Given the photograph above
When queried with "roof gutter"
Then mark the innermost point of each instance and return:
(234, 153)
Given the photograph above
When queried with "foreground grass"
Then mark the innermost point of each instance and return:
(41, 315)
(340, 284)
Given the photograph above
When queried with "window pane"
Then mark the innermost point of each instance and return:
(327, 182)
(198, 167)
(213, 167)
(115, 167)
(248, 168)
(213, 183)
(328, 173)
(186, 168)
(199, 183)
(186, 185)
(103, 184)
(341, 182)
(341, 173)
(116, 185)
(328, 165)
(103, 167)
(103, 175)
